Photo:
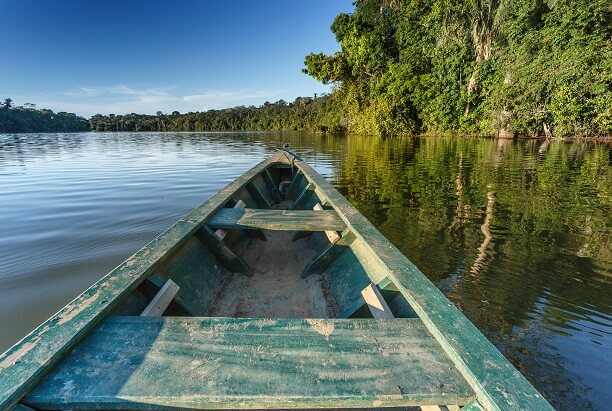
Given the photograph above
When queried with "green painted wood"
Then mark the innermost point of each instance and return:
(399, 305)
(21, 407)
(350, 311)
(346, 277)
(24, 364)
(303, 198)
(303, 234)
(386, 284)
(158, 282)
(472, 406)
(269, 179)
(196, 362)
(198, 272)
(328, 255)
(280, 220)
(258, 196)
(228, 258)
(498, 385)
(295, 184)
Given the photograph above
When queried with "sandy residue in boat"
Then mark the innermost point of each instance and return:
(320, 326)
(276, 289)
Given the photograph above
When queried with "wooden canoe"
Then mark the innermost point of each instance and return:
(275, 293)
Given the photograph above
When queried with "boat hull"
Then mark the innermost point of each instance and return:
(275, 293)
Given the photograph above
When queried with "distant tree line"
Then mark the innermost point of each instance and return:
(304, 113)
(28, 119)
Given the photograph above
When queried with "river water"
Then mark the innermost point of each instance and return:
(516, 234)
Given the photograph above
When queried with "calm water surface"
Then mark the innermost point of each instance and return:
(516, 234)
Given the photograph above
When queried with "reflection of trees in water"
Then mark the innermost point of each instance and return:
(21, 148)
(477, 265)
(498, 260)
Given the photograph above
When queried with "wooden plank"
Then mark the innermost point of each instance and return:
(328, 255)
(162, 300)
(376, 303)
(303, 197)
(472, 406)
(220, 233)
(241, 205)
(498, 385)
(158, 282)
(295, 184)
(230, 260)
(196, 362)
(257, 195)
(352, 309)
(279, 220)
(386, 284)
(332, 235)
(268, 178)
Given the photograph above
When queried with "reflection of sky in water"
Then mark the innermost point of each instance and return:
(72, 206)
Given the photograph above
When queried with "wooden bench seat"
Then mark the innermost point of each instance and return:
(283, 220)
(195, 362)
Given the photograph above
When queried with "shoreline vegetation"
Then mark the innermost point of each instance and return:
(487, 68)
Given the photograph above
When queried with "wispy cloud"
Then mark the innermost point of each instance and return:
(121, 99)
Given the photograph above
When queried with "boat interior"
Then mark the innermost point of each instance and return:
(272, 303)
(275, 250)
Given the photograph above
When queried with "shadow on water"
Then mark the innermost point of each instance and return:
(515, 233)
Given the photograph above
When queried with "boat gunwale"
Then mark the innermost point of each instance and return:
(24, 364)
(498, 385)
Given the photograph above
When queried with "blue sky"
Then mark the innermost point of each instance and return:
(140, 56)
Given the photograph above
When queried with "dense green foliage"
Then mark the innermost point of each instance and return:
(476, 66)
(27, 119)
(304, 113)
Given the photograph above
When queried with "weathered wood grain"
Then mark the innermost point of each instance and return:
(282, 220)
(252, 363)
(332, 235)
(303, 197)
(295, 183)
(328, 255)
(220, 233)
(258, 196)
(158, 282)
(472, 406)
(376, 303)
(229, 259)
(162, 300)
